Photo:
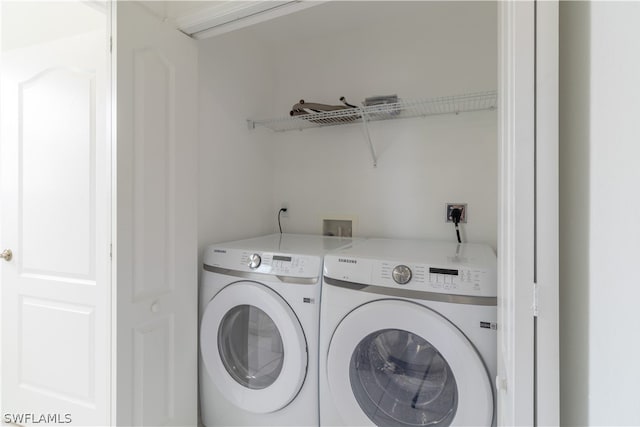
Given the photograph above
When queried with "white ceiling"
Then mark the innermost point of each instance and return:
(29, 22)
(177, 8)
(325, 16)
(344, 17)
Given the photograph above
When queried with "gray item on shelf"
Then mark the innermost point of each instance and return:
(381, 99)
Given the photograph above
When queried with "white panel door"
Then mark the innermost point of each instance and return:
(55, 193)
(528, 347)
(156, 235)
(516, 214)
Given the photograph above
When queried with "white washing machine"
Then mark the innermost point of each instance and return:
(259, 306)
(408, 335)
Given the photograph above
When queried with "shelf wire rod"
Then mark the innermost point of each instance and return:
(365, 125)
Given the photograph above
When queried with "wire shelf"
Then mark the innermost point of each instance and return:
(402, 109)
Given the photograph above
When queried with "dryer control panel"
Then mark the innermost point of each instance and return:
(271, 263)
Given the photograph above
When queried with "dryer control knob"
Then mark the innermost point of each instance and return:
(254, 261)
(401, 274)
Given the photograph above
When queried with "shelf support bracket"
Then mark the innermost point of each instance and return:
(251, 124)
(372, 149)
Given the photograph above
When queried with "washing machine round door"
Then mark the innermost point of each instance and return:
(394, 362)
(253, 347)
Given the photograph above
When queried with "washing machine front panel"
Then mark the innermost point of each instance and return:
(254, 347)
(396, 362)
(399, 378)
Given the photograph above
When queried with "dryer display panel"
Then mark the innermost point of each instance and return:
(250, 347)
(398, 378)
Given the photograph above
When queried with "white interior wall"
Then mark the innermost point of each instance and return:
(599, 140)
(614, 348)
(29, 23)
(235, 164)
(417, 50)
(413, 49)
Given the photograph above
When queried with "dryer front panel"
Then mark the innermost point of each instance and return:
(250, 347)
(253, 347)
(395, 362)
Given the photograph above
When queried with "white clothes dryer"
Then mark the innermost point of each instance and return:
(259, 310)
(408, 335)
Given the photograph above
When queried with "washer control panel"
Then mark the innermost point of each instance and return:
(454, 278)
(464, 280)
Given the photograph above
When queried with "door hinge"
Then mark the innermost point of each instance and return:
(535, 299)
(111, 251)
(110, 44)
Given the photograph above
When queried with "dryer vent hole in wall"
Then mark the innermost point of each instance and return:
(337, 227)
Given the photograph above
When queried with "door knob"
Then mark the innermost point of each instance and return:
(6, 255)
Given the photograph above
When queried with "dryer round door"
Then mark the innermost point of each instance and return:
(253, 347)
(395, 362)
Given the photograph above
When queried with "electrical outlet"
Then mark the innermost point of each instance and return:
(284, 214)
(452, 206)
